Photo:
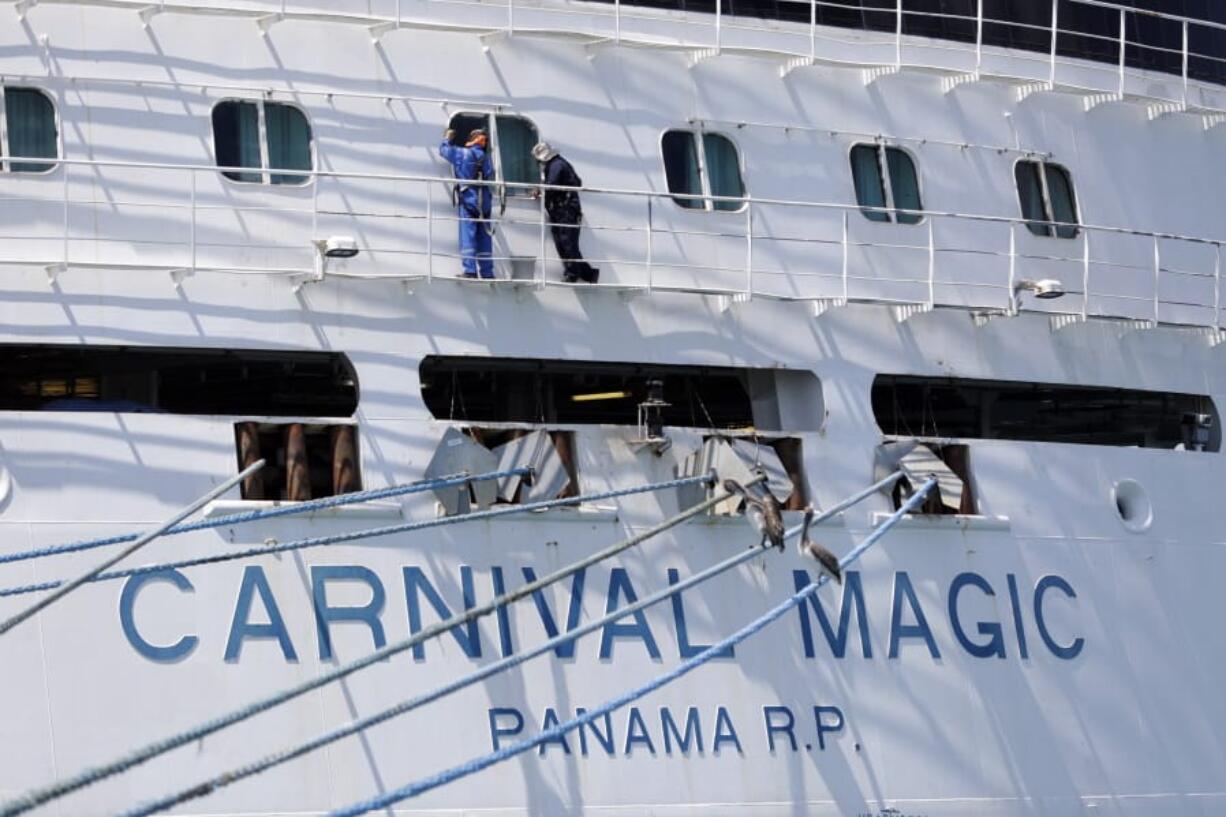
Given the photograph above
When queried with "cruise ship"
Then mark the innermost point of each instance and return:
(296, 518)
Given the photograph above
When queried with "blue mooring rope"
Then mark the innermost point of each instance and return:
(478, 764)
(352, 536)
(88, 777)
(285, 755)
(261, 514)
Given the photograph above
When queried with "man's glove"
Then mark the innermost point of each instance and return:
(449, 134)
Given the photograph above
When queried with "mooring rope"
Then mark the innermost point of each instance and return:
(287, 509)
(90, 776)
(63, 588)
(554, 733)
(274, 759)
(353, 536)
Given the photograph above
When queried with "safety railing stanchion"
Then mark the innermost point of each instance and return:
(932, 264)
(1185, 63)
(617, 21)
(510, 18)
(1123, 48)
(1012, 267)
(978, 37)
(1217, 286)
(1157, 276)
(898, 34)
(1055, 37)
(719, 18)
(749, 248)
(540, 266)
(846, 250)
(64, 260)
(429, 188)
(650, 277)
(812, 30)
(1085, 275)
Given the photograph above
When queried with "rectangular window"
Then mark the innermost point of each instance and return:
(511, 139)
(30, 129)
(303, 460)
(698, 166)
(1045, 193)
(887, 184)
(265, 136)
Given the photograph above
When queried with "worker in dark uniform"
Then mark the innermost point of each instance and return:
(473, 201)
(564, 213)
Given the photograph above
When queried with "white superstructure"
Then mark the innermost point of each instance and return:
(1056, 651)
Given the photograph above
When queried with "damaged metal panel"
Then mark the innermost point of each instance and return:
(536, 451)
(739, 459)
(459, 453)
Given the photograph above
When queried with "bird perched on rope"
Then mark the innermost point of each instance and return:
(828, 561)
(764, 512)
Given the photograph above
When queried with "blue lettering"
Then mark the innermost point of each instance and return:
(241, 628)
(996, 643)
(565, 649)
(605, 740)
(693, 730)
(823, 727)
(687, 649)
(619, 585)
(467, 636)
(127, 600)
(770, 713)
(1046, 583)
(853, 594)
(551, 721)
(898, 630)
(497, 731)
(636, 732)
(502, 613)
(325, 614)
(1016, 603)
(725, 732)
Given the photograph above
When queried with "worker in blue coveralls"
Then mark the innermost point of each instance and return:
(565, 213)
(473, 201)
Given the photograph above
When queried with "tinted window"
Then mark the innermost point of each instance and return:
(894, 196)
(681, 168)
(702, 164)
(236, 141)
(30, 119)
(1048, 203)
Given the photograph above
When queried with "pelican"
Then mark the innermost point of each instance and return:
(764, 512)
(828, 561)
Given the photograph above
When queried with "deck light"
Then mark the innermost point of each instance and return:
(602, 395)
(1044, 289)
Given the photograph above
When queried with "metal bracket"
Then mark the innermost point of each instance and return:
(870, 75)
(53, 272)
(1092, 101)
(177, 276)
(982, 318)
(796, 62)
(905, 312)
(1161, 109)
(267, 21)
(948, 84)
(1031, 88)
(700, 54)
(379, 29)
(1059, 322)
(147, 14)
(823, 305)
(726, 302)
(23, 6)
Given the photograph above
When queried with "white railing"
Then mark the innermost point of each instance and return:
(796, 40)
(186, 219)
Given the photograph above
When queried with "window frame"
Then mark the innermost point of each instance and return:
(1049, 224)
(505, 192)
(891, 210)
(7, 162)
(697, 132)
(264, 171)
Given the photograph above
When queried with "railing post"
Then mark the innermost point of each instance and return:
(1157, 277)
(617, 21)
(67, 170)
(1012, 266)
(898, 34)
(1085, 276)
(749, 248)
(1217, 286)
(429, 232)
(650, 202)
(719, 14)
(979, 36)
(932, 264)
(1123, 47)
(510, 17)
(1055, 31)
(845, 258)
(540, 269)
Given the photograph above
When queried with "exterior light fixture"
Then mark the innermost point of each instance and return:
(1044, 289)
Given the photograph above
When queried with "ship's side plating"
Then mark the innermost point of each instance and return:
(1039, 657)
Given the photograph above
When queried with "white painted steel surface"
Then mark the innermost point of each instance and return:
(1134, 724)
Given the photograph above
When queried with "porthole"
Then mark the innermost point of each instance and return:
(1132, 505)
